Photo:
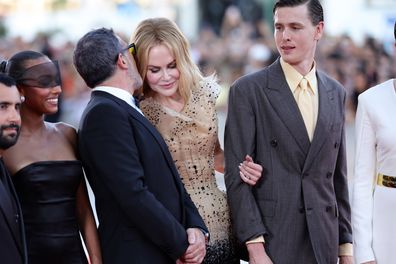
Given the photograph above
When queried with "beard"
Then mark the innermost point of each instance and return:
(7, 141)
(136, 79)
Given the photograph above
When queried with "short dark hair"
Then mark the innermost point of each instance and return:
(95, 55)
(16, 65)
(315, 9)
(7, 80)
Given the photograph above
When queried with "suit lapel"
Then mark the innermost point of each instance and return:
(7, 209)
(6, 206)
(141, 119)
(283, 102)
(325, 116)
(165, 151)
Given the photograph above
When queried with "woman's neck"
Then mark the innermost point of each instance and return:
(174, 102)
(32, 123)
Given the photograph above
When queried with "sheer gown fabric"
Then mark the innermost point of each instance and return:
(191, 136)
(47, 193)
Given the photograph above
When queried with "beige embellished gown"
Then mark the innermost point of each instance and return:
(191, 136)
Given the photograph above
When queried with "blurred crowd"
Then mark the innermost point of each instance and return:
(238, 48)
(243, 47)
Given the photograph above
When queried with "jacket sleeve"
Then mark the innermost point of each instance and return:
(107, 144)
(341, 186)
(239, 140)
(362, 199)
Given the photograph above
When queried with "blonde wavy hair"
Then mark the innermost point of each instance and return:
(156, 31)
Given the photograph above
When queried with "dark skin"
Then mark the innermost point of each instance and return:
(49, 141)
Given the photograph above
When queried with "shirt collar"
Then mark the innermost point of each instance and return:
(117, 92)
(293, 77)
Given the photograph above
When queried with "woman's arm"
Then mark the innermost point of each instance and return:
(218, 158)
(87, 224)
(85, 217)
(249, 171)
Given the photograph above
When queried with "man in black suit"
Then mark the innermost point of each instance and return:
(145, 214)
(12, 234)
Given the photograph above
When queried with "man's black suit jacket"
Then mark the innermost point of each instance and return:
(142, 206)
(12, 234)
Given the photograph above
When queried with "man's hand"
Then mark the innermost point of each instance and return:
(196, 251)
(257, 254)
(348, 260)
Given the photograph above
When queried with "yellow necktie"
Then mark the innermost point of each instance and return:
(305, 104)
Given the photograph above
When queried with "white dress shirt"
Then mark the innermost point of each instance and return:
(119, 93)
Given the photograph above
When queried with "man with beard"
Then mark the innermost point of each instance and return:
(12, 238)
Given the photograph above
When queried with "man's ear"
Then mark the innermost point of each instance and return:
(121, 61)
(319, 30)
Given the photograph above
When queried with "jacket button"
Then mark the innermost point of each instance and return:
(328, 208)
(17, 218)
(336, 145)
(274, 143)
(328, 175)
(305, 174)
(301, 210)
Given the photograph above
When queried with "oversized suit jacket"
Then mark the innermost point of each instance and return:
(142, 206)
(12, 233)
(302, 196)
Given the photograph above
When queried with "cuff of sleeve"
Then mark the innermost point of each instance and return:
(346, 249)
(259, 239)
(206, 235)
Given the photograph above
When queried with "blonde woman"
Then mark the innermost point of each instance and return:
(180, 102)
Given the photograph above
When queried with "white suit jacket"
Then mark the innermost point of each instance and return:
(375, 153)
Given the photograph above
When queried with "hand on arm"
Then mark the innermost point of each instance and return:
(257, 254)
(249, 171)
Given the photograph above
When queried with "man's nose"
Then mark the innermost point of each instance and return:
(286, 34)
(14, 116)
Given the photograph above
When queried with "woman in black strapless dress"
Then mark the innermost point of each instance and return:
(48, 177)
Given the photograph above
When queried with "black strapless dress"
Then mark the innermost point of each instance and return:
(47, 193)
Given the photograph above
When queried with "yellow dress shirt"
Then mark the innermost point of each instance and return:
(293, 79)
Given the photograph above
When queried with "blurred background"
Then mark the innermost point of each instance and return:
(229, 37)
